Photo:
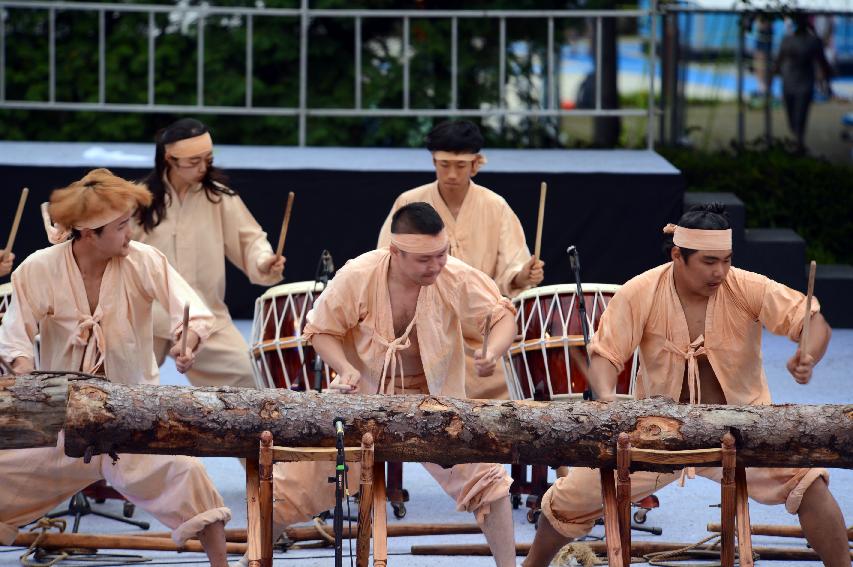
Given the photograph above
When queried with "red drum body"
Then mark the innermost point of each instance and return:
(280, 356)
(547, 362)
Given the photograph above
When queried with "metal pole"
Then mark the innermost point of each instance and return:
(303, 70)
(102, 59)
(551, 92)
(151, 37)
(358, 62)
(741, 40)
(406, 41)
(250, 57)
(650, 135)
(502, 63)
(665, 75)
(51, 88)
(598, 63)
(2, 58)
(768, 91)
(200, 63)
(454, 54)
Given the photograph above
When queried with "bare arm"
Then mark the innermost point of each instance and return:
(500, 339)
(331, 350)
(602, 378)
(801, 365)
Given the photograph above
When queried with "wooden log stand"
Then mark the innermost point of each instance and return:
(259, 496)
(735, 507)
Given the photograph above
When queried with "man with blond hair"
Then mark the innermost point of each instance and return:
(90, 299)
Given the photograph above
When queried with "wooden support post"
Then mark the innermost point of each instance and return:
(365, 508)
(623, 494)
(265, 496)
(744, 529)
(611, 517)
(253, 513)
(380, 535)
(729, 497)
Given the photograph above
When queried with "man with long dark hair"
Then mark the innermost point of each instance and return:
(698, 323)
(198, 221)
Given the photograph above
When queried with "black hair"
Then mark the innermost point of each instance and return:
(706, 216)
(214, 182)
(416, 218)
(75, 234)
(457, 136)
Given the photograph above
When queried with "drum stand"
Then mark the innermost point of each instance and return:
(397, 495)
(79, 506)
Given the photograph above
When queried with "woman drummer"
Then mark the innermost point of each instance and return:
(198, 221)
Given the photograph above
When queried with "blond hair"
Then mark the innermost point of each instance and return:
(98, 193)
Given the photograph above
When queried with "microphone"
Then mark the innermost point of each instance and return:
(338, 422)
(574, 258)
(325, 268)
(318, 372)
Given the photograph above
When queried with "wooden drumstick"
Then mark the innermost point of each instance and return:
(11, 242)
(804, 336)
(543, 190)
(185, 329)
(486, 332)
(284, 223)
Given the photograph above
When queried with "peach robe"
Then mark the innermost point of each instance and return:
(487, 235)
(647, 313)
(197, 235)
(356, 308)
(49, 298)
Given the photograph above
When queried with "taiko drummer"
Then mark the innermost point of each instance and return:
(698, 322)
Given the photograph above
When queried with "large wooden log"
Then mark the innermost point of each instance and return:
(104, 417)
(32, 410)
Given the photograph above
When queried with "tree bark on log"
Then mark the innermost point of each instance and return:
(104, 417)
(32, 410)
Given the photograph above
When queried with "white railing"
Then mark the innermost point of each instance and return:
(550, 108)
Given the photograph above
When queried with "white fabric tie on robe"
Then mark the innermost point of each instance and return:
(88, 328)
(694, 349)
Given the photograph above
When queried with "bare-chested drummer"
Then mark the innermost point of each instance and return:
(484, 231)
(90, 299)
(393, 321)
(698, 322)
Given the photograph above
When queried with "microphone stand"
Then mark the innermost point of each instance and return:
(325, 270)
(340, 471)
(575, 263)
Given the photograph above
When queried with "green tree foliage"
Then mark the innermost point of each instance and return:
(780, 189)
(275, 77)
